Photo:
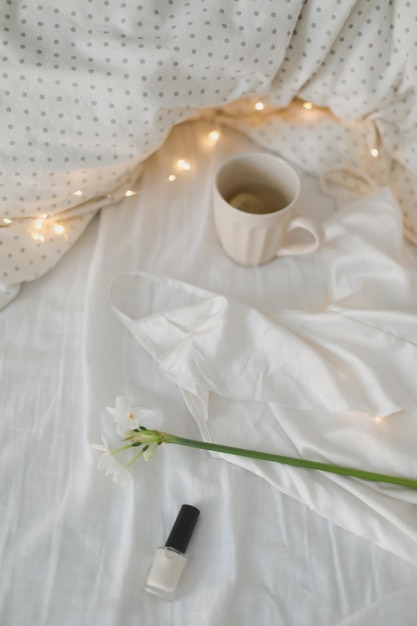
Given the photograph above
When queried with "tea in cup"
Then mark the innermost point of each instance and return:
(255, 200)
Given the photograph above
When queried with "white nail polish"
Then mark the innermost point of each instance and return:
(169, 561)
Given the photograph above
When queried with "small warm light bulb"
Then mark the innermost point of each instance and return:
(307, 105)
(183, 165)
(129, 193)
(171, 178)
(77, 193)
(374, 153)
(6, 220)
(38, 224)
(259, 106)
(59, 229)
(376, 418)
(38, 237)
(214, 135)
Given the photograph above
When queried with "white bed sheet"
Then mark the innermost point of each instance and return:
(75, 548)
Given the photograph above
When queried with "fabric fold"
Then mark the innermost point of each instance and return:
(303, 383)
(327, 360)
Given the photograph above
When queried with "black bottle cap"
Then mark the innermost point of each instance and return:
(183, 528)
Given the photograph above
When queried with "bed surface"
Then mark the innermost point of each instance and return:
(75, 546)
(113, 283)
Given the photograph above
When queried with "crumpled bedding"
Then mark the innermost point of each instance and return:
(76, 547)
(91, 90)
(336, 384)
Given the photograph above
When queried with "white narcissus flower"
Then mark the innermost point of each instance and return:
(143, 439)
(111, 465)
(127, 417)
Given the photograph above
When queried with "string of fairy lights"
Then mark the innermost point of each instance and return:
(38, 224)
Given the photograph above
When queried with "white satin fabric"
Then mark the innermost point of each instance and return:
(310, 383)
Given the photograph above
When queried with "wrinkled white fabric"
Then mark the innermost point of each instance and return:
(306, 382)
(258, 556)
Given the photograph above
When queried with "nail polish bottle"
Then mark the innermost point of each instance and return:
(169, 561)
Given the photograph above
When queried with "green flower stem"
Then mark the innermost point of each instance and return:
(134, 459)
(117, 450)
(288, 460)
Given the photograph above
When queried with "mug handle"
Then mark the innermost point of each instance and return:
(312, 227)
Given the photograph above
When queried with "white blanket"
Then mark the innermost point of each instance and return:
(75, 547)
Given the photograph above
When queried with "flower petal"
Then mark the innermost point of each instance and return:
(151, 419)
(122, 476)
(104, 461)
(101, 447)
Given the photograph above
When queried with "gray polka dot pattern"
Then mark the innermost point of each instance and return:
(91, 88)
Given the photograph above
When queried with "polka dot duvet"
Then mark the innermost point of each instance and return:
(91, 89)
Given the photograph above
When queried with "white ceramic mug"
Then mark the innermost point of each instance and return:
(251, 238)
